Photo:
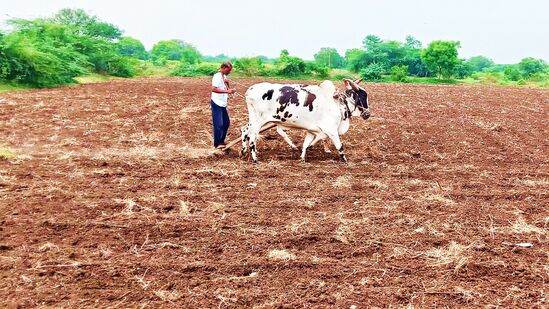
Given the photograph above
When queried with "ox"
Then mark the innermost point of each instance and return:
(322, 111)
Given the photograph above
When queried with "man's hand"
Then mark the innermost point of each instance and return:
(231, 91)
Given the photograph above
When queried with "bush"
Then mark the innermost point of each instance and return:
(160, 61)
(108, 61)
(191, 70)
(399, 73)
(131, 47)
(530, 66)
(489, 78)
(479, 63)
(206, 68)
(511, 73)
(249, 66)
(184, 70)
(39, 63)
(537, 77)
(268, 70)
(291, 67)
(464, 70)
(317, 70)
(372, 72)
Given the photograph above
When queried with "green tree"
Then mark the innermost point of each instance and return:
(412, 57)
(387, 54)
(463, 69)
(83, 24)
(412, 42)
(190, 54)
(5, 67)
(329, 57)
(479, 63)
(42, 54)
(441, 57)
(170, 50)
(131, 47)
(530, 66)
(50, 52)
(284, 54)
(290, 66)
(371, 42)
(356, 59)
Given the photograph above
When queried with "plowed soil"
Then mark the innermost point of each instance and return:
(115, 199)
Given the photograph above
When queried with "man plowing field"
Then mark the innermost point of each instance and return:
(322, 111)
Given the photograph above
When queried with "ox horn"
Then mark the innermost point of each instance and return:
(351, 85)
(358, 81)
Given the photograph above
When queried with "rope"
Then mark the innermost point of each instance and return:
(238, 94)
(233, 81)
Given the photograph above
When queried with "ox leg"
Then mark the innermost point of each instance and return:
(338, 145)
(252, 134)
(245, 138)
(322, 137)
(285, 136)
(327, 147)
(309, 138)
(318, 137)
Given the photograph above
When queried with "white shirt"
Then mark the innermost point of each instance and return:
(218, 81)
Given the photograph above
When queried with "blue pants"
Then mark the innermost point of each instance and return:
(221, 122)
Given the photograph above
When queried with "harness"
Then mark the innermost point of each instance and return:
(342, 97)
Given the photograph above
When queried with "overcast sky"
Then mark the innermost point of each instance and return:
(504, 30)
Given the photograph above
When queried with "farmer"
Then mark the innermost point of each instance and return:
(220, 95)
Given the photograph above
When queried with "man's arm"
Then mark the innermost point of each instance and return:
(219, 90)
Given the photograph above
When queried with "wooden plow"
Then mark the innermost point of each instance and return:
(238, 140)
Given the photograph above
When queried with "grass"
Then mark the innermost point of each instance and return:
(7, 87)
(281, 255)
(454, 253)
(6, 154)
(431, 80)
(147, 68)
(522, 227)
(342, 182)
(93, 78)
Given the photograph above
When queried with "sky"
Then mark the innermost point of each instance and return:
(504, 30)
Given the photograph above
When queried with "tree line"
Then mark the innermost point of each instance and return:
(52, 51)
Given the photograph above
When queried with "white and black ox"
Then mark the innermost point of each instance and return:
(322, 111)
